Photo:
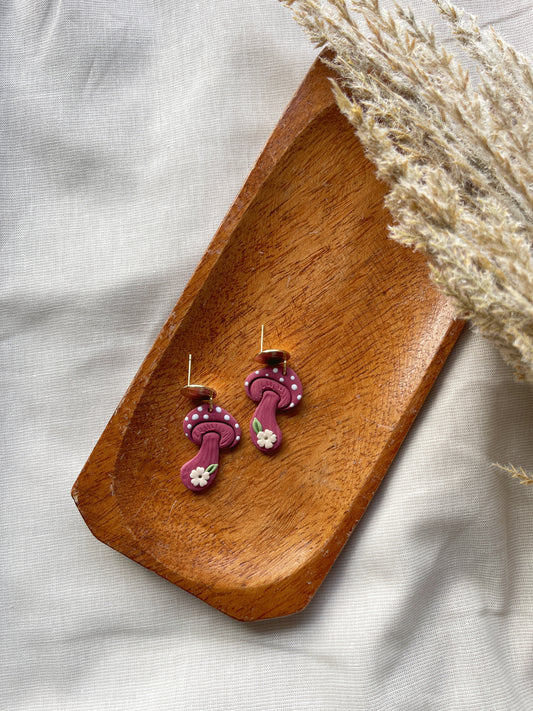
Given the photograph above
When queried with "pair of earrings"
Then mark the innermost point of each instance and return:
(274, 387)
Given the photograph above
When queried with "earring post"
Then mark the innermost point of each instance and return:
(198, 392)
(271, 356)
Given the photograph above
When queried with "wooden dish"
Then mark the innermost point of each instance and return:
(304, 250)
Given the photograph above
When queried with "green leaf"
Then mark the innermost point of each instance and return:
(257, 426)
(211, 468)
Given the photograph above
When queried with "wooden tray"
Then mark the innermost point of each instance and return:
(304, 250)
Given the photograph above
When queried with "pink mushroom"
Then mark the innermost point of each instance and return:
(212, 430)
(274, 390)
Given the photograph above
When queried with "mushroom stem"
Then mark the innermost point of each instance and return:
(263, 426)
(206, 458)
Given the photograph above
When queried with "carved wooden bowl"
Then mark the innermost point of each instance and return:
(304, 250)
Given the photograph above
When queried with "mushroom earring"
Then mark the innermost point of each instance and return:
(212, 429)
(274, 387)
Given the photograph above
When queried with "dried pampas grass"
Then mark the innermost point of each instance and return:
(517, 473)
(458, 157)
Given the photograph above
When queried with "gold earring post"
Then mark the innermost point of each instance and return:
(271, 356)
(197, 392)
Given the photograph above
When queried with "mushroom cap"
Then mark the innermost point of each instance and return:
(201, 420)
(288, 386)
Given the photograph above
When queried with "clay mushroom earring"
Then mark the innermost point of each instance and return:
(212, 429)
(275, 387)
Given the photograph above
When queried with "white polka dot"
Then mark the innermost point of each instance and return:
(189, 427)
(257, 372)
(218, 409)
(291, 405)
(282, 380)
(299, 397)
(246, 384)
(206, 417)
(237, 438)
(186, 434)
(236, 425)
(292, 377)
(195, 416)
(274, 370)
(226, 417)
(200, 408)
(266, 375)
(186, 419)
(294, 386)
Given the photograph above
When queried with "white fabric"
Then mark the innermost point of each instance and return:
(127, 129)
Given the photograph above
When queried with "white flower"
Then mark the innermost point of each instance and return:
(199, 477)
(266, 439)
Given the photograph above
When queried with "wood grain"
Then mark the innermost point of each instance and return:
(303, 249)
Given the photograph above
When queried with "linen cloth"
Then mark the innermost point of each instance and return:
(127, 130)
